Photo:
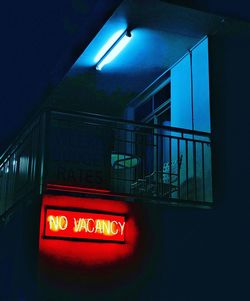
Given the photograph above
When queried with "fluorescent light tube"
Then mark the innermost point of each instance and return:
(108, 45)
(113, 51)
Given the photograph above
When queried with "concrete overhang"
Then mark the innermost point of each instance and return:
(161, 34)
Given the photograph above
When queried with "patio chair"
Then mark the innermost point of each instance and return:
(159, 183)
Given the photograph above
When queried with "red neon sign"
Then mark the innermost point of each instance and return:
(77, 225)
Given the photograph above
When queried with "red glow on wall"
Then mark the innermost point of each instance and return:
(69, 248)
(70, 224)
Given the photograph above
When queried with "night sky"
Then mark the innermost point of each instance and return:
(39, 42)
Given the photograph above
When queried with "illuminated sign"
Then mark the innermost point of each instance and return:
(77, 225)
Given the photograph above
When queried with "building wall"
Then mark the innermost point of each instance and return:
(190, 109)
(181, 104)
(207, 252)
(201, 97)
(200, 254)
(82, 92)
(194, 254)
(190, 90)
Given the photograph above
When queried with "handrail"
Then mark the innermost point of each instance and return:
(131, 122)
(95, 116)
(18, 140)
(128, 137)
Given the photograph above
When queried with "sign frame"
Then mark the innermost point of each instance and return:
(80, 239)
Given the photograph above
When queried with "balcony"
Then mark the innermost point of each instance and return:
(99, 154)
(140, 161)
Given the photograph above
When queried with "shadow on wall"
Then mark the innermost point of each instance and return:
(195, 190)
(81, 92)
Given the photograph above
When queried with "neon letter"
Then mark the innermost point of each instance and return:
(114, 233)
(106, 227)
(122, 227)
(93, 228)
(63, 222)
(84, 225)
(98, 226)
(77, 225)
(57, 223)
(53, 223)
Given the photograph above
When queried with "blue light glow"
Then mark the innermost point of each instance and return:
(113, 53)
(108, 45)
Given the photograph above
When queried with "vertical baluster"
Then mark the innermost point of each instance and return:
(195, 172)
(157, 164)
(178, 168)
(170, 164)
(203, 173)
(186, 144)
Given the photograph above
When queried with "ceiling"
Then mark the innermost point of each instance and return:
(40, 41)
(161, 34)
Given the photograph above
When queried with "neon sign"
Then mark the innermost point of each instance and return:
(77, 225)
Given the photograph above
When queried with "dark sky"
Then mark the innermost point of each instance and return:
(39, 39)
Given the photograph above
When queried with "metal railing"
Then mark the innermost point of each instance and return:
(140, 160)
(20, 165)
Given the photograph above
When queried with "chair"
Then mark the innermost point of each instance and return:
(123, 169)
(121, 161)
(159, 183)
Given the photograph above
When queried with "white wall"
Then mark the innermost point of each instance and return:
(190, 109)
(201, 105)
(181, 93)
(181, 108)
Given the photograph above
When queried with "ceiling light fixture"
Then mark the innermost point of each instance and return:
(112, 48)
